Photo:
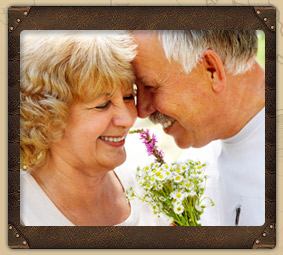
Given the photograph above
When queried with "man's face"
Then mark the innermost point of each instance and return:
(181, 102)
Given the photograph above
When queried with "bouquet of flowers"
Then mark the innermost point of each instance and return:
(175, 189)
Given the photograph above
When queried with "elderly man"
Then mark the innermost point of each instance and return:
(203, 86)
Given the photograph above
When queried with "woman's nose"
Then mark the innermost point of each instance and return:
(125, 115)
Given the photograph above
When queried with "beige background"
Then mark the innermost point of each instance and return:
(4, 249)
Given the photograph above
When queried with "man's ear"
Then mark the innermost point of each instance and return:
(214, 70)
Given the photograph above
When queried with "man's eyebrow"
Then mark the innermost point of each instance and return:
(145, 80)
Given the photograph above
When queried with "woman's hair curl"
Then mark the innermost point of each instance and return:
(59, 67)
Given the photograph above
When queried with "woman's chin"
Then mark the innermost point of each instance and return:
(115, 162)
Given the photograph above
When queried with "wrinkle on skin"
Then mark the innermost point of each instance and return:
(203, 111)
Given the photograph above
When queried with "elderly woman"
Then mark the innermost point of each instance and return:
(77, 106)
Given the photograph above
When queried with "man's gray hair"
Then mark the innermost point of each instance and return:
(236, 48)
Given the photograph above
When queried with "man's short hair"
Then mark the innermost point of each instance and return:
(236, 48)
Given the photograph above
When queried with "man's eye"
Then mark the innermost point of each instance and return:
(129, 97)
(103, 106)
(150, 88)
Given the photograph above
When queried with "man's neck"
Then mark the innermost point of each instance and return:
(246, 97)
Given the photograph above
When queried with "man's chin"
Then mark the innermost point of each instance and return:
(182, 143)
(187, 143)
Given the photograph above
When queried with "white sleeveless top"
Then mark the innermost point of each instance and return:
(36, 208)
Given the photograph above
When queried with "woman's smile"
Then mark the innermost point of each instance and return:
(115, 141)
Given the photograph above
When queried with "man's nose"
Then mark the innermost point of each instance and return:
(144, 102)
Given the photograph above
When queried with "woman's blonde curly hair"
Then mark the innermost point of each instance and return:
(58, 67)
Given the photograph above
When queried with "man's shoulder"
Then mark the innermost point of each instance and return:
(203, 154)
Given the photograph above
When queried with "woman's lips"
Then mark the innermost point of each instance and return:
(115, 141)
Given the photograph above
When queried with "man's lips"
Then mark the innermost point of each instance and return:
(167, 124)
(165, 120)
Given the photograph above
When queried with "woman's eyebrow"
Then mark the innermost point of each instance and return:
(104, 94)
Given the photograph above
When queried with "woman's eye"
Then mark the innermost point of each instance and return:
(129, 97)
(103, 106)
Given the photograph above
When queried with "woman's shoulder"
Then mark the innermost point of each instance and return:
(29, 186)
(36, 209)
(126, 175)
(27, 181)
(24, 174)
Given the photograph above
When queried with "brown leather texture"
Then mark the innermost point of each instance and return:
(141, 18)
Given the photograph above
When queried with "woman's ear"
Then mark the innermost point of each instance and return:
(214, 70)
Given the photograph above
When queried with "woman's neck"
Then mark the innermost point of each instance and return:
(84, 198)
(74, 180)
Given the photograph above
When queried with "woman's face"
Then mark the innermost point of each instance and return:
(95, 132)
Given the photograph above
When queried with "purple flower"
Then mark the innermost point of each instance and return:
(150, 144)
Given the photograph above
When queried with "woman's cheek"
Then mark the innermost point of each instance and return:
(133, 111)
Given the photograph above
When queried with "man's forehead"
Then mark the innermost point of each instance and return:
(145, 79)
(144, 35)
(150, 64)
(148, 44)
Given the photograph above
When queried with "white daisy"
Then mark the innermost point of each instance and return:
(178, 208)
(167, 174)
(161, 176)
(192, 193)
(188, 185)
(152, 179)
(178, 178)
(147, 186)
(199, 208)
(177, 195)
